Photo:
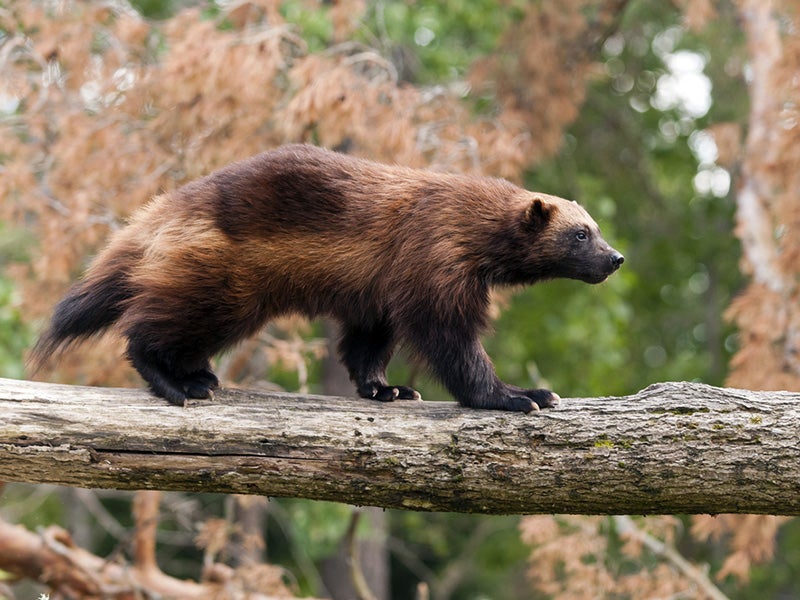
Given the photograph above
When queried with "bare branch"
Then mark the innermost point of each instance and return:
(354, 562)
(52, 558)
(145, 513)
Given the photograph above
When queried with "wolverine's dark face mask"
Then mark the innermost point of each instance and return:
(588, 256)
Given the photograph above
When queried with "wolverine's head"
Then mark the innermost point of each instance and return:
(558, 238)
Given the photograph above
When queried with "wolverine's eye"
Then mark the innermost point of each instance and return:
(581, 236)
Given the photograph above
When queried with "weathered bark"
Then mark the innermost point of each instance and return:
(672, 448)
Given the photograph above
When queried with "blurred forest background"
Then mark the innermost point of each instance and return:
(674, 123)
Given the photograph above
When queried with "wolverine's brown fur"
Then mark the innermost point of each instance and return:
(394, 254)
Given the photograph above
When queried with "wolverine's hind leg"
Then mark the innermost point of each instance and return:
(162, 382)
(366, 351)
(168, 378)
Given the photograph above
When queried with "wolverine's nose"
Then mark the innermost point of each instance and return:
(616, 260)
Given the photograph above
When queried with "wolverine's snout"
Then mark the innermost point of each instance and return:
(616, 260)
(603, 266)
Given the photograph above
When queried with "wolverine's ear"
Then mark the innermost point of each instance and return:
(538, 213)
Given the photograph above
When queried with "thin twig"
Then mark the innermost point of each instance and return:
(95, 508)
(351, 547)
(145, 513)
(282, 519)
(423, 591)
(626, 527)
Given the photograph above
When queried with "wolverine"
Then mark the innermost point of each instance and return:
(395, 255)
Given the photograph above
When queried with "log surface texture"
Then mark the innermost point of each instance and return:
(672, 448)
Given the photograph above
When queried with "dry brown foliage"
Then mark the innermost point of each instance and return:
(52, 557)
(751, 539)
(698, 13)
(544, 95)
(115, 109)
(571, 559)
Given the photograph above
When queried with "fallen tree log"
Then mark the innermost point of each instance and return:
(671, 448)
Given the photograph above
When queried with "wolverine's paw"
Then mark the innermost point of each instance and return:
(529, 400)
(543, 398)
(388, 393)
(172, 395)
(200, 384)
(519, 404)
(406, 393)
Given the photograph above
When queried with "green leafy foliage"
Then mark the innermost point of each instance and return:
(430, 42)
(15, 334)
(437, 41)
(459, 556)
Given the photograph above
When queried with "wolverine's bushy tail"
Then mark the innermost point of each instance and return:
(89, 308)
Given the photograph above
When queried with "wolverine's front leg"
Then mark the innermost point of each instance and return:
(457, 357)
(366, 351)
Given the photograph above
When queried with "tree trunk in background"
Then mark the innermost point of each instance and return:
(248, 546)
(335, 380)
(767, 314)
(374, 556)
(768, 217)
